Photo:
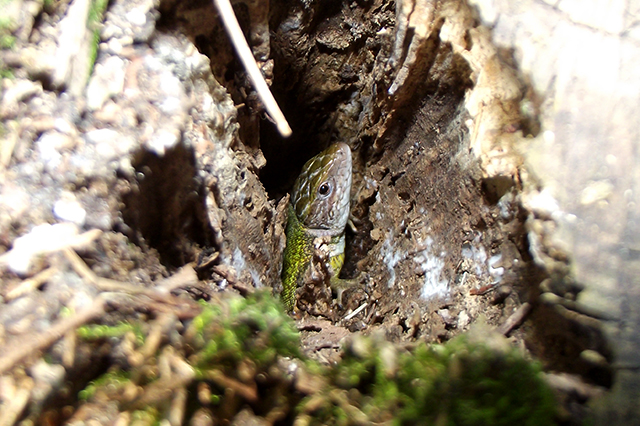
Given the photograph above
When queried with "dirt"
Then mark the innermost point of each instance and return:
(177, 166)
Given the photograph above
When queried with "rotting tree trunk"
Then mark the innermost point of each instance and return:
(582, 59)
(575, 102)
(439, 121)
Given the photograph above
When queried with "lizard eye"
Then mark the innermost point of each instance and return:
(324, 189)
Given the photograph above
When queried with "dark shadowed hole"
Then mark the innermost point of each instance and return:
(165, 207)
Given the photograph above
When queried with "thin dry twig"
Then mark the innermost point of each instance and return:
(105, 284)
(39, 341)
(482, 290)
(175, 374)
(515, 319)
(372, 312)
(356, 312)
(178, 406)
(249, 393)
(568, 383)
(185, 277)
(154, 338)
(69, 350)
(30, 284)
(13, 408)
(246, 57)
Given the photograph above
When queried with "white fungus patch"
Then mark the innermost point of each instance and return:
(477, 255)
(483, 266)
(391, 258)
(432, 265)
(239, 264)
(495, 272)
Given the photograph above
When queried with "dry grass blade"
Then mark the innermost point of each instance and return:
(246, 57)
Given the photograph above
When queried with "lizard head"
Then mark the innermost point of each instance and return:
(320, 196)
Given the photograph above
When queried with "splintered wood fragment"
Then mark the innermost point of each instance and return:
(230, 22)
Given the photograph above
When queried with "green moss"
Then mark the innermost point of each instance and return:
(6, 73)
(464, 382)
(97, 332)
(468, 383)
(7, 27)
(236, 348)
(48, 4)
(115, 379)
(255, 327)
(234, 341)
(96, 12)
(148, 416)
(6, 24)
(7, 41)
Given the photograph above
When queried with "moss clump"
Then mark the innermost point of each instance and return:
(96, 332)
(7, 40)
(467, 381)
(239, 354)
(96, 12)
(470, 383)
(224, 358)
(112, 379)
(254, 328)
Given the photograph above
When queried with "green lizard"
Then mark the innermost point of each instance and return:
(319, 208)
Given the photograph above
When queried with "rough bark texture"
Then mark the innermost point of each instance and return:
(495, 172)
(581, 58)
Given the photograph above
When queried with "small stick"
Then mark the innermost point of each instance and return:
(482, 290)
(15, 405)
(178, 406)
(371, 313)
(249, 393)
(246, 57)
(515, 319)
(154, 338)
(570, 384)
(106, 284)
(69, 350)
(30, 284)
(40, 341)
(185, 277)
(356, 312)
